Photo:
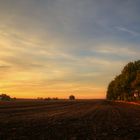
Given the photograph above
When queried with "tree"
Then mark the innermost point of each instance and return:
(5, 97)
(72, 97)
(124, 85)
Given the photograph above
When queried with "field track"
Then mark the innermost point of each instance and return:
(69, 120)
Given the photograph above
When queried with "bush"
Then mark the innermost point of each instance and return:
(71, 97)
(5, 97)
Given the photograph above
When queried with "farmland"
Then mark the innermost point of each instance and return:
(69, 120)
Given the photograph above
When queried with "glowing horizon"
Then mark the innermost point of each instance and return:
(57, 48)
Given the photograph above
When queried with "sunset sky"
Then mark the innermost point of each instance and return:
(54, 48)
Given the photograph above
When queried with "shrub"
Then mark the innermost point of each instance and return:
(72, 97)
(5, 97)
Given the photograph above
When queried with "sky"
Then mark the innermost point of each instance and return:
(55, 48)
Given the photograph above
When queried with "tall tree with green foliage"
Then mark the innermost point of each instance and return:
(123, 86)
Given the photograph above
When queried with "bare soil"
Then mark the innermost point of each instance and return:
(69, 120)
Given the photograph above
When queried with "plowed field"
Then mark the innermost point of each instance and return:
(69, 120)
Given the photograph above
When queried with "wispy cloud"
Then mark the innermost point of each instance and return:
(132, 32)
(53, 48)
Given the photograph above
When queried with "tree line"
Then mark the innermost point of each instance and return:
(126, 86)
(5, 97)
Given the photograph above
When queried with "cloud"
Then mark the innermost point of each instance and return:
(59, 47)
(134, 33)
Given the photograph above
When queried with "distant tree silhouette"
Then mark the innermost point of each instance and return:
(55, 98)
(47, 99)
(5, 97)
(39, 98)
(72, 97)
